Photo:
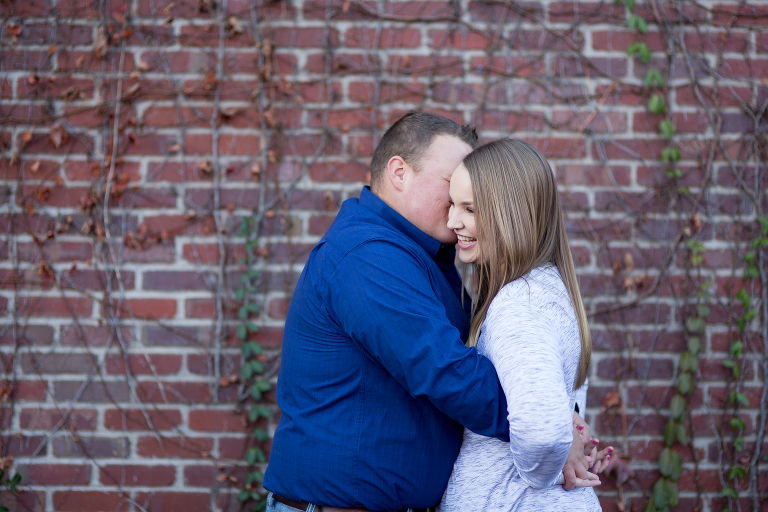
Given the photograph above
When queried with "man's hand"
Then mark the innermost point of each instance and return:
(575, 470)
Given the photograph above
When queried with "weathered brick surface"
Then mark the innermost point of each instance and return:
(119, 250)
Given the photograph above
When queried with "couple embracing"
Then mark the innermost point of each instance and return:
(398, 392)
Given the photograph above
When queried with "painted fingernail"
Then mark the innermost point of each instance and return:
(610, 449)
(595, 441)
(580, 427)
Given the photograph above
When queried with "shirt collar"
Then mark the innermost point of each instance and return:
(400, 223)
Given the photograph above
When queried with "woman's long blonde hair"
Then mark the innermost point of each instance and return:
(520, 227)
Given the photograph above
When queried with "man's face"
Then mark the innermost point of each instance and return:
(427, 190)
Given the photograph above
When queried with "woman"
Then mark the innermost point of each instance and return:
(529, 321)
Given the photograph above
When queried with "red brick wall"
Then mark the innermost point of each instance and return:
(120, 238)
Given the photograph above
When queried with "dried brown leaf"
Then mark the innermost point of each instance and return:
(619, 467)
(612, 399)
(101, 43)
(58, 136)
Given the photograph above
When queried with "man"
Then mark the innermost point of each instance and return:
(375, 382)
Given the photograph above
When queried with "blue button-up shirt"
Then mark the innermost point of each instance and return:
(375, 381)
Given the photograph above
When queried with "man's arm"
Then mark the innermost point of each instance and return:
(381, 296)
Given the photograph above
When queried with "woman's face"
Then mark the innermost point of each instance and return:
(461, 216)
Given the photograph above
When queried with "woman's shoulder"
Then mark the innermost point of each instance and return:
(538, 288)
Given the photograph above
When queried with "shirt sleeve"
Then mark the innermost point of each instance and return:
(581, 398)
(381, 296)
(523, 345)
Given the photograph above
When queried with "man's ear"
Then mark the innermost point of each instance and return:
(396, 170)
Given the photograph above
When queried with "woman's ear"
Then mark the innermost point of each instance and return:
(396, 170)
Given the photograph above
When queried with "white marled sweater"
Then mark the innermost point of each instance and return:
(532, 337)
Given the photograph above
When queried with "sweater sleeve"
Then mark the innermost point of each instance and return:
(523, 344)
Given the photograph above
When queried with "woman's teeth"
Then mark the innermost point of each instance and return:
(466, 240)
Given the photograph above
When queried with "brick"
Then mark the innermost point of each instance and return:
(148, 309)
(176, 501)
(93, 392)
(47, 419)
(53, 307)
(136, 475)
(203, 365)
(573, 174)
(217, 421)
(364, 37)
(341, 171)
(55, 474)
(174, 447)
(145, 364)
(88, 335)
(29, 335)
(174, 392)
(135, 419)
(92, 447)
(93, 501)
(30, 390)
(52, 362)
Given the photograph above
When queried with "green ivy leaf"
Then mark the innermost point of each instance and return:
(260, 434)
(656, 104)
(677, 407)
(672, 494)
(694, 345)
(255, 392)
(682, 437)
(694, 324)
(667, 129)
(256, 366)
(264, 385)
(677, 467)
(252, 327)
(244, 495)
(737, 424)
(728, 492)
(660, 497)
(239, 294)
(242, 313)
(738, 444)
(630, 5)
(684, 383)
(250, 456)
(670, 433)
(689, 362)
(742, 399)
(702, 310)
(653, 77)
(651, 506)
(670, 154)
(744, 297)
(675, 173)
(635, 22)
(246, 372)
(737, 472)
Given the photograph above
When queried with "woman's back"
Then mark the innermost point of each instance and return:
(531, 335)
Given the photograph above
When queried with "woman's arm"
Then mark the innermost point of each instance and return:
(523, 344)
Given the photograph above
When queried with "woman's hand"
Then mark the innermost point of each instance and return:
(598, 460)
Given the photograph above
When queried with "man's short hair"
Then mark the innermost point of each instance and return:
(411, 136)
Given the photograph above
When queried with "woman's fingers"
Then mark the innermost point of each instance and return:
(592, 480)
(601, 460)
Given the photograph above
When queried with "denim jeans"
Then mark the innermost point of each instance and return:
(275, 506)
